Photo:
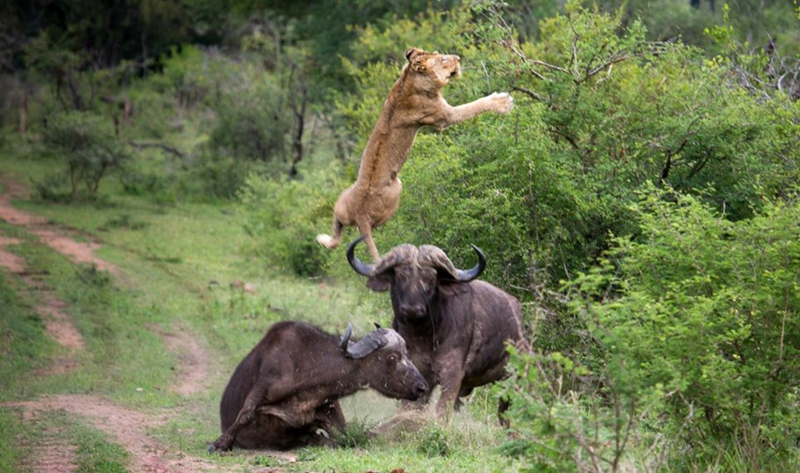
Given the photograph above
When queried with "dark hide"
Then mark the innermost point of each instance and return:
(285, 393)
(456, 327)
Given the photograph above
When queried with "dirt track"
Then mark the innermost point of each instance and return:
(127, 427)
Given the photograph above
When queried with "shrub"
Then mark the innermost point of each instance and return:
(285, 215)
(85, 142)
(695, 322)
(252, 117)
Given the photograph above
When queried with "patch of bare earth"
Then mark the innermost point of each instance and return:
(80, 252)
(8, 260)
(192, 371)
(54, 454)
(58, 324)
(126, 427)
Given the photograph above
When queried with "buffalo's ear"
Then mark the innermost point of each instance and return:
(379, 283)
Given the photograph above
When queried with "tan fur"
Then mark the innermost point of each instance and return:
(415, 101)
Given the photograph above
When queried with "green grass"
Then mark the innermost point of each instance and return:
(177, 264)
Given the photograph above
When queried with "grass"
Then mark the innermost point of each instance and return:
(181, 266)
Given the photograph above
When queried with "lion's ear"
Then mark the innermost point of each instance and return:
(411, 52)
(418, 67)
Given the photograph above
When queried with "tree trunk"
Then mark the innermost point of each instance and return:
(298, 136)
(23, 113)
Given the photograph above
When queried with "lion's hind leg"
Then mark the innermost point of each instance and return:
(366, 230)
(329, 241)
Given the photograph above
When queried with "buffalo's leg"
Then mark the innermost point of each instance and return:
(502, 406)
(451, 386)
(328, 420)
(245, 417)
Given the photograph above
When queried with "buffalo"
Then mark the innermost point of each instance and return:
(285, 392)
(456, 327)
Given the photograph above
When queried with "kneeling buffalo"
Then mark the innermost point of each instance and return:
(285, 393)
(456, 327)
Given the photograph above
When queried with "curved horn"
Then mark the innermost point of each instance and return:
(470, 274)
(358, 266)
(434, 257)
(367, 345)
(346, 338)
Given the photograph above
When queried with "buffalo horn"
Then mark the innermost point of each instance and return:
(361, 268)
(470, 274)
(346, 338)
(367, 345)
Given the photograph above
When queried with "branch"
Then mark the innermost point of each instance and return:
(161, 146)
(528, 92)
(567, 137)
(549, 66)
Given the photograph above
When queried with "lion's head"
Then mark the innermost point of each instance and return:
(432, 70)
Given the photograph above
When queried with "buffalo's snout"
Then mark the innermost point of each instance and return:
(412, 310)
(420, 389)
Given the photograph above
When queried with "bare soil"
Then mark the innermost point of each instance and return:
(58, 324)
(80, 252)
(54, 454)
(124, 426)
(192, 372)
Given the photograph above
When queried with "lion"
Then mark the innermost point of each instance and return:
(415, 101)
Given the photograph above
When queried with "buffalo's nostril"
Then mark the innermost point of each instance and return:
(413, 309)
(421, 389)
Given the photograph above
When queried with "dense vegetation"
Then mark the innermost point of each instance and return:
(641, 198)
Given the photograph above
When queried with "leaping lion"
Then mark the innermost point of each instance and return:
(415, 101)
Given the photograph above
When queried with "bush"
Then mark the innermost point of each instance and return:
(693, 332)
(86, 143)
(252, 118)
(215, 173)
(284, 217)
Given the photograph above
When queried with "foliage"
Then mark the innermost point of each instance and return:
(284, 215)
(600, 112)
(709, 311)
(88, 148)
(567, 418)
(697, 323)
(252, 120)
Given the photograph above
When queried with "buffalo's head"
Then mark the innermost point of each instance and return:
(414, 276)
(385, 363)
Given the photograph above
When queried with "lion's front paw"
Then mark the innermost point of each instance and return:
(502, 102)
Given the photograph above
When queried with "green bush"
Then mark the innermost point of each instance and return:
(284, 216)
(252, 117)
(215, 173)
(694, 333)
(87, 145)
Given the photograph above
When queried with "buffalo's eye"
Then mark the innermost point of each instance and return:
(392, 359)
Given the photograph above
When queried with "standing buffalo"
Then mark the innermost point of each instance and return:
(285, 393)
(456, 327)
